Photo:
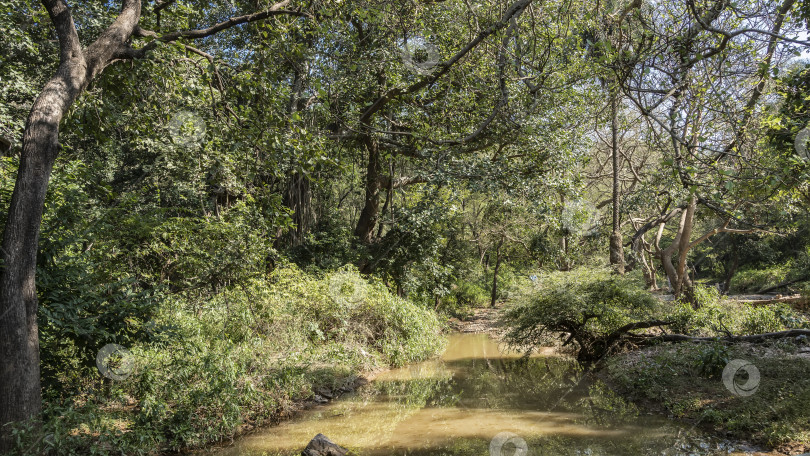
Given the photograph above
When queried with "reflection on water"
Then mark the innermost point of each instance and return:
(455, 405)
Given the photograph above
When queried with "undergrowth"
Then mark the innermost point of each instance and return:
(209, 368)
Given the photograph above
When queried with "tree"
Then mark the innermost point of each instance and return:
(702, 99)
(79, 66)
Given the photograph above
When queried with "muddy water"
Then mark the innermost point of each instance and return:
(478, 399)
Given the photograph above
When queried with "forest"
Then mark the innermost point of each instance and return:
(229, 226)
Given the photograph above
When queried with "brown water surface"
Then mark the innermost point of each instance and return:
(478, 399)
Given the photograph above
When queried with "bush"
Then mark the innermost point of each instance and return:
(469, 294)
(464, 297)
(753, 280)
(716, 316)
(587, 304)
(210, 366)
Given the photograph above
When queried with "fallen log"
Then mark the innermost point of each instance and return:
(592, 350)
(753, 338)
(783, 284)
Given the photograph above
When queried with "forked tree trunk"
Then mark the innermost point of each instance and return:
(678, 275)
(684, 284)
(20, 395)
(647, 267)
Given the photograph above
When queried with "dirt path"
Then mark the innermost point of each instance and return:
(483, 320)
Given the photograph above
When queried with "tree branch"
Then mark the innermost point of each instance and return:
(444, 67)
(275, 10)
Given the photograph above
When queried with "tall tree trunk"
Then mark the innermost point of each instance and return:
(565, 265)
(20, 396)
(684, 284)
(494, 295)
(646, 266)
(297, 192)
(679, 275)
(731, 269)
(665, 255)
(368, 216)
(616, 248)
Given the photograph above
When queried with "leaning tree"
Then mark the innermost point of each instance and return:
(80, 64)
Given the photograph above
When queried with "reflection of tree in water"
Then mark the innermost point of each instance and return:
(455, 407)
(638, 443)
(418, 393)
(539, 384)
(543, 384)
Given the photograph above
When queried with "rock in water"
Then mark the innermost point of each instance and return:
(320, 445)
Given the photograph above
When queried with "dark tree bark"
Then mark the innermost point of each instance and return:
(494, 295)
(731, 269)
(20, 395)
(371, 208)
(297, 189)
(298, 198)
(616, 249)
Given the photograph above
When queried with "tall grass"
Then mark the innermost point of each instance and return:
(213, 367)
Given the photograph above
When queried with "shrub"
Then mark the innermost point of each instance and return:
(214, 364)
(753, 280)
(716, 316)
(469, 294)
(464, 297)
(587, 305)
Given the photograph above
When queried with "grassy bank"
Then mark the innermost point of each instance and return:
(684, 380)
(206, 370)
(689, 381)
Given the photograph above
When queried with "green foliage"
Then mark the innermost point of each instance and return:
(753, 280)
(712, 358)
(470, 294)
(586, 303)
(675, 376)
(716, 316)
(209, 364)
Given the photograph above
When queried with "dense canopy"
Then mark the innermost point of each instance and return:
(215, 168)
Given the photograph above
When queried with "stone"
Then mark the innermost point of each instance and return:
(320, 445)
(325, 392)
